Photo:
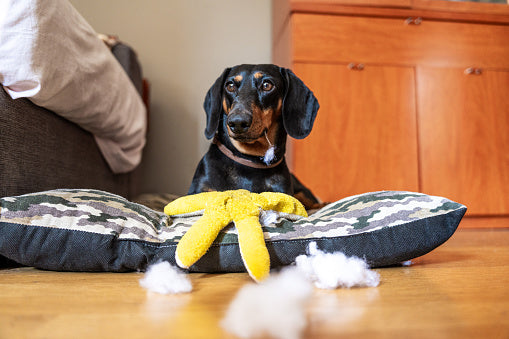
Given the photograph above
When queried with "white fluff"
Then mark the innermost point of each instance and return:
(333, 270)
(275, 307)
(164, 278)
(269, 155)
(268, 218)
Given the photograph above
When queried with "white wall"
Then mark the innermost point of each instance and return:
(183, 46)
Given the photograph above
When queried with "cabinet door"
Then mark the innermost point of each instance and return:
(464, 137)
(365, 134)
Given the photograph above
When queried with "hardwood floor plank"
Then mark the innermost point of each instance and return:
(459, 290)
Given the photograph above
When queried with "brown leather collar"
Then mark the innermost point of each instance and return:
(243, 161)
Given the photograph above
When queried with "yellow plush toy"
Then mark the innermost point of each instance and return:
(219, 209)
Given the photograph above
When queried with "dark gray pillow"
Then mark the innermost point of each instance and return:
(89, 230)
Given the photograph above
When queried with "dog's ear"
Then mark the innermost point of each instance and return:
(213, 104)
(299, 106)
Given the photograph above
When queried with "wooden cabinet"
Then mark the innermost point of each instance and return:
(414, 95)
(413, 40)
(464, 127)
(384, 137)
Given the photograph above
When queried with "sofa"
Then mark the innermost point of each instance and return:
(72, 113)
(41, 150)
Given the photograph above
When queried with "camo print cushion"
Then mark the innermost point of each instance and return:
(88, 230)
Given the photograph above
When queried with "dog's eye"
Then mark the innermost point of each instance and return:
(267, 86)
(230, 87)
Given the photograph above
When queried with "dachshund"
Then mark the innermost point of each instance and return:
(250, 111)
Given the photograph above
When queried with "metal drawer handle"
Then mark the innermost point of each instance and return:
(473, 71)
(413, 21)
(355, 67)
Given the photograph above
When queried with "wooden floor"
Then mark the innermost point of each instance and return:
(460, 290)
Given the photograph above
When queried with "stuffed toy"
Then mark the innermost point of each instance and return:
(220, 209)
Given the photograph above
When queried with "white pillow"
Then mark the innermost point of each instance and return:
(50, 55)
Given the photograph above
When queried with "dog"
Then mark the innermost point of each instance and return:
(250, 111)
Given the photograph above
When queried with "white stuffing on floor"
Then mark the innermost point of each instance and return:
(333, 270)
(164, 278)
(275, 307)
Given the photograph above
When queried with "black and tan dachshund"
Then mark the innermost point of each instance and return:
(250, 110)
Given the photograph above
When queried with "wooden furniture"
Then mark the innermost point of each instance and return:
(457, 291)
(413, 96)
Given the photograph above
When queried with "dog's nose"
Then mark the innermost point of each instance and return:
(239, 123)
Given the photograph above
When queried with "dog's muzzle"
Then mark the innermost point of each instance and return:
(239, 122)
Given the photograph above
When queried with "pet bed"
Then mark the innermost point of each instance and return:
(90, 230)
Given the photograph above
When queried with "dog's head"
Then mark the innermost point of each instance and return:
(254, 101)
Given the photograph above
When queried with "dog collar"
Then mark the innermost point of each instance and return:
(243, 161)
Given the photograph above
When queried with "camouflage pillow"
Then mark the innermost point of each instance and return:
(88, 230)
